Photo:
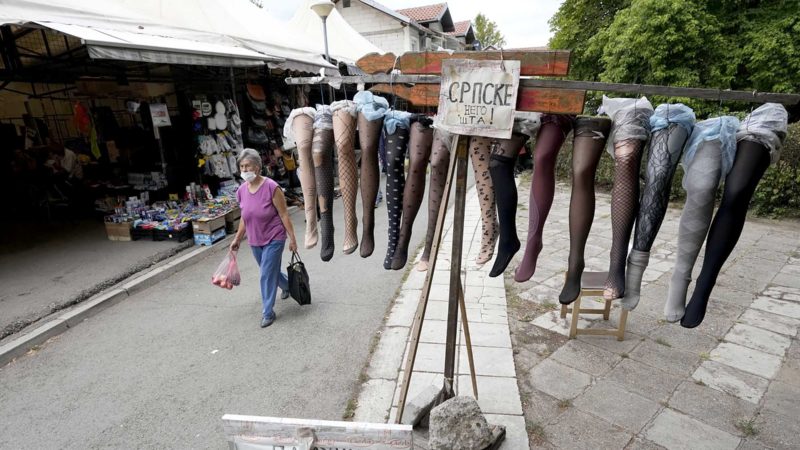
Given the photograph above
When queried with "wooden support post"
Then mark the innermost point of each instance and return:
(467, 338)
(416, 328)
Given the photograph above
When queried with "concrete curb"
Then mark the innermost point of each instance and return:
(137, 283)
(84, 310)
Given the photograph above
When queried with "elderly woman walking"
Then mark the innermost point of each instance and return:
(266, 221)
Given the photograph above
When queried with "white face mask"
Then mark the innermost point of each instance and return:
(248, 176)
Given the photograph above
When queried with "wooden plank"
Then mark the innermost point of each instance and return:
(532, 63)
(549, 100)
(417, 95)
(637, 89)
(373, 63)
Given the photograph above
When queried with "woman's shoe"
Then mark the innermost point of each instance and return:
(267, 321)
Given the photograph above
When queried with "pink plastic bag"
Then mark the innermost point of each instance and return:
(227, 273)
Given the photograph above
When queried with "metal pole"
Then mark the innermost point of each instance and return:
(325, 35)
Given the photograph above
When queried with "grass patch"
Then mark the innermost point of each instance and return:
(350, 410)
(663, 342)
(747, 427)
(535, 431)
(624, 355)
(699, 382)
(705, 356)
(563, 404)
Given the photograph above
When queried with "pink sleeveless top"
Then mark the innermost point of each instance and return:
(261, 219)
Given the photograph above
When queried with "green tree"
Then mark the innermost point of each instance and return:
(487, 32)
(574, 25)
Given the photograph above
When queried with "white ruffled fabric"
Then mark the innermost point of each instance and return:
(767, 125)
(631, 117)
(346, 105)
(287, 127)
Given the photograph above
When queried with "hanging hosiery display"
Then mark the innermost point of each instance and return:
(551, 136)
(587, 146)
(480, 152)
(322, 153)
(759, 137)
(440, 157)
(671, 125)
(396, 124)
(707, 159)
(371, 109)
(419, 150)
(344, 134)
(501, 168)
(299, 127)
(629, 134)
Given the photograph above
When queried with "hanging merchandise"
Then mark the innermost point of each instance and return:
(480, 150)
(759, 140)
(322, 155)
(420, 141)
(440, 157)
(549, 139)
(220, 118)
(371, 110)
(396, 125)
(344, 134)
(671, 126)
(588, 141)
(707, 159)
(299, 127)
(629, 134)
(501, 169)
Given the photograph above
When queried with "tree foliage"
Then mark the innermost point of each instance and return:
(487, 32)
(725, 44)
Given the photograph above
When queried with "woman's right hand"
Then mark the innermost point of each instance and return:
(234, 245)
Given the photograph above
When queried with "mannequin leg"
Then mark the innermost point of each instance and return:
(419, 148)
(344, 131)
(666, 147)
(501, 168)
(322, 152)
(480, 152)
(369, 134)
(624, 206)
(396, 145)
(701, 181)
(752, 160)
(548, 143)
(440, 157)
(590, 140)
(303, 129)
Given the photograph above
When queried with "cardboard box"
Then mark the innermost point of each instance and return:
(232, 227)
(209, 238)
(208, 225)
(233, 215)
(118, 231)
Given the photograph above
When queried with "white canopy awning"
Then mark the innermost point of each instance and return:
(344, 43)
(200, 32)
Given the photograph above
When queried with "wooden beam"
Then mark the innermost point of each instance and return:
(549, 100)
(532, 63)
(637, 89)
(417, 95)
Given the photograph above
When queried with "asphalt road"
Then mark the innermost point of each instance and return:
(161, 368)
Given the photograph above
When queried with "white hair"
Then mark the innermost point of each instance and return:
(251, 155)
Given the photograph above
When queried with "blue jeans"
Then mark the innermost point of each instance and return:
(268, 258)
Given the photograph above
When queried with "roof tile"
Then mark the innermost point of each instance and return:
(425, 13)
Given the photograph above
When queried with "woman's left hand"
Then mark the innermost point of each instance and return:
(292, 246)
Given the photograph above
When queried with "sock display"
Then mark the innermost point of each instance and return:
(440, 157)
(551, 137)
(589, 139)
(671, 126)
(419, 148)
(344, 133)
(480, 152)
(322, 154)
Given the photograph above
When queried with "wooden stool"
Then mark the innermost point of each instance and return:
(592, 285)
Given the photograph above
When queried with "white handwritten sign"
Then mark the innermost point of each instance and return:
(274, 433)
(478, 98)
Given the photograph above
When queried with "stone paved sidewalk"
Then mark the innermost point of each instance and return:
(733, 382)
(485, 298)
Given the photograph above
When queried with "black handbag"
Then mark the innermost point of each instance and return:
(299, 287)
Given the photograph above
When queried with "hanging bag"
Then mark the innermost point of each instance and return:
(227, 274)
(299, 287)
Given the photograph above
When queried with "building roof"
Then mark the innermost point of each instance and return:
(461, 28)
(438, 12)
